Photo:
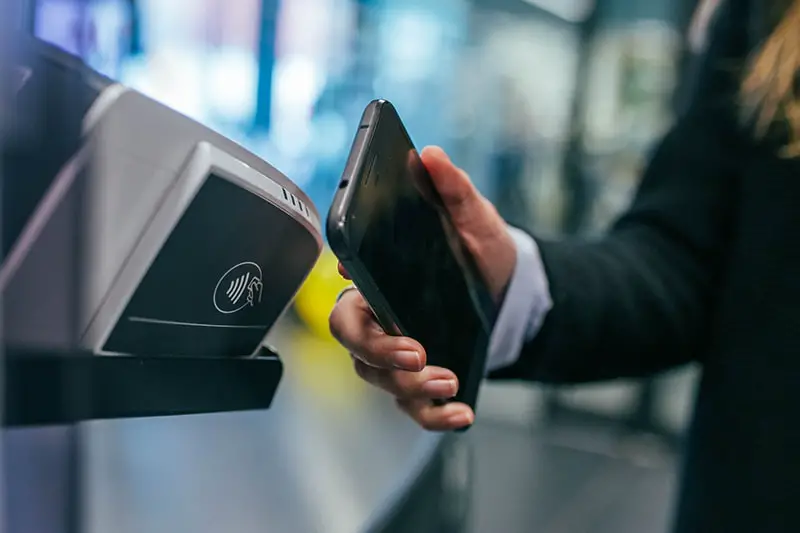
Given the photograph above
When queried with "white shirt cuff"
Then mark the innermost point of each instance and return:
(526, 303)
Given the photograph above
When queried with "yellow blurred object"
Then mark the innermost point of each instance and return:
(317, 296)
(324, 371)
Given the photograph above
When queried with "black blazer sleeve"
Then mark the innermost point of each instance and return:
(640, 299)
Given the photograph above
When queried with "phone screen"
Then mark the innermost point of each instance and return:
(413, 255)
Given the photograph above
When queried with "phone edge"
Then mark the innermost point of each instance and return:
(340, 242)
(339, 239)
(335, 231)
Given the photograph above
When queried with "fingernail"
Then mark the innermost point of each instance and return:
(440, 388)
(407, 360)
(461, 420)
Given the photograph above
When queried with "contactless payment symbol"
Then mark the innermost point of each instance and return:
(239, 288)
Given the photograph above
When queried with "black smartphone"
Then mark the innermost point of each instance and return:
(389, 228)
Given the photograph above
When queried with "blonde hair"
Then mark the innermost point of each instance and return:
(769, 90)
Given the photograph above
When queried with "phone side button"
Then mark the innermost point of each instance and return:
(353, 158)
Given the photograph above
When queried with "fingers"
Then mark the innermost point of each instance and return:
(397, 365)
(446, 417)
(343, 272)
(458, 194)
(481, 229)
(432, 383)
(353, 325)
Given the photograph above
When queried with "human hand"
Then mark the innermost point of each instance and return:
(398, 364)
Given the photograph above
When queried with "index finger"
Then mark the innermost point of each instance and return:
(353, 325)
(343, 272)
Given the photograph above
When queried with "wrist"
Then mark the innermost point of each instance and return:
(510, 263)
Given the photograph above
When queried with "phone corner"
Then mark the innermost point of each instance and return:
(381, 104)
(335, 232)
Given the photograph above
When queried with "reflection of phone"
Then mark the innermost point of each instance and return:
(388, 227)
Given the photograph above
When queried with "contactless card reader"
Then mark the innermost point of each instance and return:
(219, 260)
(192, 245)
(225, 240)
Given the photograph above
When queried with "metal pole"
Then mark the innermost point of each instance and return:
(574, 170)
(266, 64)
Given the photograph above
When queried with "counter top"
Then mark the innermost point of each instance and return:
(331, 455)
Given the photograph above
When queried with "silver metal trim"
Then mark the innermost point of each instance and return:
(145, 320)
(58, 189)
(101, 104)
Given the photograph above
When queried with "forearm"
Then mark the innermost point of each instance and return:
(619, 309)
(622, 307)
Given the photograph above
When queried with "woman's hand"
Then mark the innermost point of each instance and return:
(397, 364)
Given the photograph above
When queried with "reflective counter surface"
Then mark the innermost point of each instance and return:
(331, 455)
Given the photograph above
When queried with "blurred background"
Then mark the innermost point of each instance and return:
(552, 107)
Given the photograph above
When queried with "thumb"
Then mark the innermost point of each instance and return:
(479, 225)
(459, 196)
